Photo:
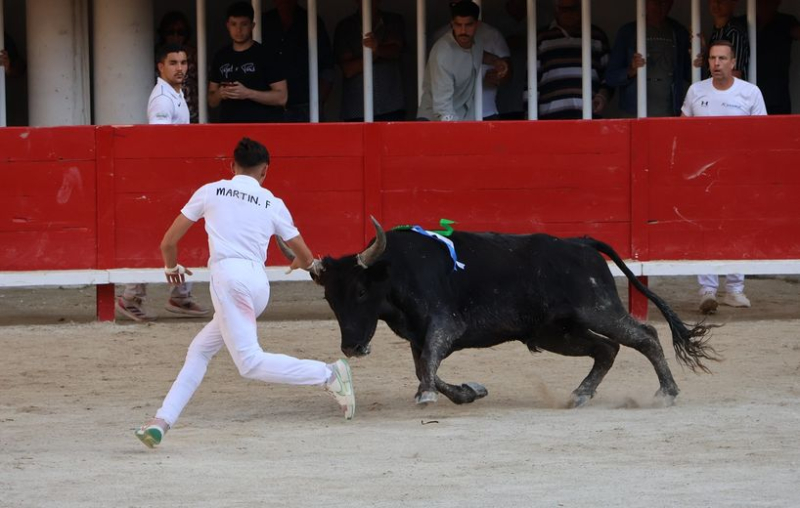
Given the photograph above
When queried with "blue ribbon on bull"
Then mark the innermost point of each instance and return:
(440, 236)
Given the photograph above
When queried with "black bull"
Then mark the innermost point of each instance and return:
(551, 294)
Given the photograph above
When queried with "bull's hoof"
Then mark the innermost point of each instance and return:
(578, 400)
(478, 389)
(664, 399)
(425, 398)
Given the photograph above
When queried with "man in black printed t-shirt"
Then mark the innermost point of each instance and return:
(247, 80)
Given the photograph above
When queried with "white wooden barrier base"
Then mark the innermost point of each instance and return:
(278, 273)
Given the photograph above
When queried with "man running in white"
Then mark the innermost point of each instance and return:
(240, 218)
(722, 95)
(166, 105)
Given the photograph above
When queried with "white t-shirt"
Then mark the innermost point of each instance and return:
(166, 106)
(741, 99)
(241, 217)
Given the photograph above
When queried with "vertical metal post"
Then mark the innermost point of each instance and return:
(421, 47)
(366, 23)
(478, 104)
(641, 48)
(2, 73)
(313, 62)
(202, 61)
(257, 19)
(586, 57)
(533, 58)
(697, 47)
(752, 34)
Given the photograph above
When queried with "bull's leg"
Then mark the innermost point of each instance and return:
(643, 338)
(582, 342)
(436, 348)
(463, 394)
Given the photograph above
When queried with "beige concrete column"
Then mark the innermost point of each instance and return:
(124, 68)
(58, 62)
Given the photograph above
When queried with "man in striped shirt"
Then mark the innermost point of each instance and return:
(560, 73)
(728, 28)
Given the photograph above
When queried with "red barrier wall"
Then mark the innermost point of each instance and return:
(101, 197)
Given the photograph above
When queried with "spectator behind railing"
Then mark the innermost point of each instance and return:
(492, 42)
(174, 29)
(731, 29)
(776, 32)
(166, 106)
(247, 79)
(722, 95)
(668, 63)
(285, 30)
(387, 41)
(454, 64)
(560, 73)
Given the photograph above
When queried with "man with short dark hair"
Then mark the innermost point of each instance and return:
(722, 94)
(454, 66)
(240, 217)
(247, 80)
(167, 104)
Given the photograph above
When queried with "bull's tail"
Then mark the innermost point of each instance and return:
(690, 341)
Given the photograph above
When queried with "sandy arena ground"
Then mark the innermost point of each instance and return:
(72, 392)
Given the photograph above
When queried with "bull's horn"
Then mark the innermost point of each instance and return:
(373, 252)
(315, 267)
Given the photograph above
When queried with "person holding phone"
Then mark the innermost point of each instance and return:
(247, 80)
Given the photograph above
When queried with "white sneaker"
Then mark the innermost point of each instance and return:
(708, 302)
(736, 300)
(341, 387)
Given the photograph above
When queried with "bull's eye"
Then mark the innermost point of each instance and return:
(362, 294)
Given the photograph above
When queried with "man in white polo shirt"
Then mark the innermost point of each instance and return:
(166, 105)
(240, 218)
(722, 95)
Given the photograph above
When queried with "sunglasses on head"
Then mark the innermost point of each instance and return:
(179, 32)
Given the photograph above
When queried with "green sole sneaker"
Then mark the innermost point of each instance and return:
(151, 435)
(342, 388)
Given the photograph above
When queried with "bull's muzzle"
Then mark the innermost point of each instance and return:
(360, 350)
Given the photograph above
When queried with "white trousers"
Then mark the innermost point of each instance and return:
(734, 283)
(240, 293)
